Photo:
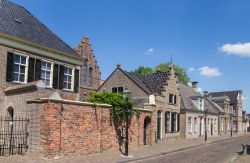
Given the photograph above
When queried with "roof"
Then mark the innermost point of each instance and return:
(20, 23)
(187, 95)
(152, 83)
(233, 95)
(155, 81)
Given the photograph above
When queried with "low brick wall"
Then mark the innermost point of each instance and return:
(70, 127)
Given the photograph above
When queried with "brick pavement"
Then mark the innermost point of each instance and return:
(115, 156)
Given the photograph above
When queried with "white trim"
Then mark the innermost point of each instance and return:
(72, 78)
(51, 72)
(26, 67)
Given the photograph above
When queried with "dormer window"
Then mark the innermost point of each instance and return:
(199, 103)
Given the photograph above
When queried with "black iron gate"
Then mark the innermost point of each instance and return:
(13, 135)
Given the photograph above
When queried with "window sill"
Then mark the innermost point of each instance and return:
(16, 82)
(172, 104)
(67, 90)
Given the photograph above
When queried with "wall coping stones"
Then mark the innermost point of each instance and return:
(72, 102)
(20, 88)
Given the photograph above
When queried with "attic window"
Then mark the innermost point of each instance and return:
(17, 20)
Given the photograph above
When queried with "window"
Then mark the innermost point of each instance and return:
(117, 90)
(234, 126)
(167, 122)
(20, 68)
(215, 125)
(174, 122)
(172, 98)
(90, 77)
(68, 78)
(234, 110)
(195, 125)
(208, 125)
(189, 125)
(46, 73)
(85, 67)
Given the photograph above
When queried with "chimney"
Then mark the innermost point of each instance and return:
(205, 94)
(195, 85)
(118, 66)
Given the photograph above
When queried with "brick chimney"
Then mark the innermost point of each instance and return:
(195, 85)
(118, 66)
(205, 94)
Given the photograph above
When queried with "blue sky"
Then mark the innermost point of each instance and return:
(210, 39)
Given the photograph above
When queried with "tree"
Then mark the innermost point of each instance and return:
(115, 99)
(164, 67)
(142, 71)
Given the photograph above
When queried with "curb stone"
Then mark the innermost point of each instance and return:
(178, 150)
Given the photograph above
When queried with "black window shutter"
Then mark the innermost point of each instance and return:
(61, 75)
(178, 122)
(38, 70)
(76, 81)
(31, 71)
(55, 76)
(9, 67)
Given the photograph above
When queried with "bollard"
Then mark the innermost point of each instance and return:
(244, 149)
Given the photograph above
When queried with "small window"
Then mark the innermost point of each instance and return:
(20, 68)
(85, 68)
(114, 90)
(68, 78)
(117, 90)
(46, 73)
(195, 125)
(189, 125)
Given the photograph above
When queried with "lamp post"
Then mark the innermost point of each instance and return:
(127, 96)
(206, 124)
(231, 118)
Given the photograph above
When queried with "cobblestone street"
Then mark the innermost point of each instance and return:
(215, 150)
(219, 152)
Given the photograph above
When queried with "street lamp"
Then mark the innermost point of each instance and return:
(206, 110)
(231, 117)
(127, 96)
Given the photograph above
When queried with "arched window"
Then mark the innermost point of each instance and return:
(10, 111)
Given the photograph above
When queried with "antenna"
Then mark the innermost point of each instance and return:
(171, 59)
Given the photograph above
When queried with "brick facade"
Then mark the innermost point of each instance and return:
(161, 99)
(17, 100)
(90, 71)
(69, 127)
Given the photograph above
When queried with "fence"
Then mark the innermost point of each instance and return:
(13, 135)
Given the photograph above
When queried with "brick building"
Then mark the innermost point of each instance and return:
(231, 102)
(197, 113)
(160, 90)
(90, 72)
(35, 62)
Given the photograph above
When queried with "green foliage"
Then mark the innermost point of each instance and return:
(115, 99)
(142, 71)
(164, 67)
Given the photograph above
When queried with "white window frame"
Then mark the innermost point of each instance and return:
(190, 125)
(195, 125)
(72, 78)
(26, 67)
(51, 72)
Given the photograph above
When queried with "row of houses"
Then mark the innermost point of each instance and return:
(182, 111)
(36, 65)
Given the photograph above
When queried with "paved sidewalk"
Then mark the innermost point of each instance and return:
(242, 159)
(115, 156)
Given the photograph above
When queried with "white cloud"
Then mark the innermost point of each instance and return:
(239, 49)
(191, 69)
(209, 71)
(150, 51)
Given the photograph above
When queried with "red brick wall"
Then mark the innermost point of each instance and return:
(81, 129)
